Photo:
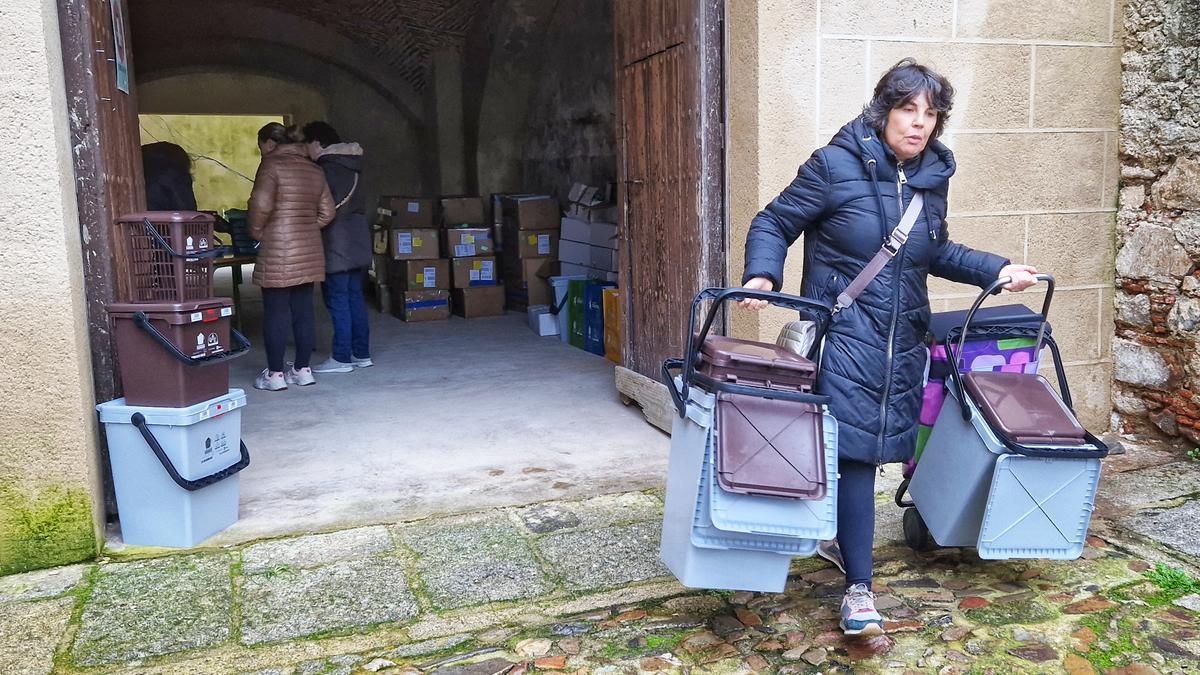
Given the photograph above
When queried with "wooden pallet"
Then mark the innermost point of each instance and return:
(650, 395)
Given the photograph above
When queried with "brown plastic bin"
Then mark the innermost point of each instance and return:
(1023, 408)
(755, 364)
(175, 355)
(167, 255)
(770, 447)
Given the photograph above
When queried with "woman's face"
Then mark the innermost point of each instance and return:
(266, 147)
(910, 126)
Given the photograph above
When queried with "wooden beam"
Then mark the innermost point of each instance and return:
(652, 397)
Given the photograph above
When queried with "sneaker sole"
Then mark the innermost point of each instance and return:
(869, 630)
(269, 389)
(346, 369)
(364, 365)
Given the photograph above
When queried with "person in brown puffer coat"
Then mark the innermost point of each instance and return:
(289, 205)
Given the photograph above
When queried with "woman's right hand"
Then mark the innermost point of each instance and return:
(757, 284)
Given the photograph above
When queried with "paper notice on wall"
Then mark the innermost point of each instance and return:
(543, 244)
(430, 277)
(404, 242)
(414, 207)
(464, 250)
(487, 270)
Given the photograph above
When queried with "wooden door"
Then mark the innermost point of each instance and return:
(670, 138)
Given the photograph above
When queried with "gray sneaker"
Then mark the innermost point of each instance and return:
(332, 365)
(859, 616)
(831, 551)
(268, 381)
(362, 363)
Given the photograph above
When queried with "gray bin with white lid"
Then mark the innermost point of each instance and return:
(175, 470)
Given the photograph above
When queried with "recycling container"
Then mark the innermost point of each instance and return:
(166, 256)
(175, 355)
(175, 470)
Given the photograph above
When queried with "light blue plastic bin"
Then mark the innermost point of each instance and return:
(810, 519)
(971, 491)
(560, 284)
(201, 443)
(693, 566)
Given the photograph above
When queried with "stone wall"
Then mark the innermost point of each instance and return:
(1158, 224)
(1034, 129)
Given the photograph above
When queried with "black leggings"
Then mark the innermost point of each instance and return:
(856, 519)
(289, 309)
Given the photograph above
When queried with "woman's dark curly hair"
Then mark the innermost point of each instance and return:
(901, 84)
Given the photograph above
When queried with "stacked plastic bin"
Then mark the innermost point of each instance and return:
(174, 439)
(723, 526)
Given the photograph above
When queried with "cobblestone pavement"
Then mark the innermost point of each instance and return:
(577, 587)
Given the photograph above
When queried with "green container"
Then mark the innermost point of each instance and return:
(576, 296)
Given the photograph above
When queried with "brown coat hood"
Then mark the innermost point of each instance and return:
(289, 205)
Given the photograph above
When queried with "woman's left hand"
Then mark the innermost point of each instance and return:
(1021, 275)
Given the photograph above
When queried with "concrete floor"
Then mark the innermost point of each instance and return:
(455, 416)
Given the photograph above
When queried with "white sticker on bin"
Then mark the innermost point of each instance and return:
(197, 316)
(226, 311)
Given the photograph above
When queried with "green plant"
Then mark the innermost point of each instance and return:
(1194, 453)
(1173, 580)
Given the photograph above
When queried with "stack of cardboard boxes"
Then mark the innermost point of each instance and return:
(418, 279)
(589, 235)
(471, 248)
(530, 226)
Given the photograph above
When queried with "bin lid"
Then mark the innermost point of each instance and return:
(117, 412)
(1024, 408)
(166, 217)
(208, 309)
(732, 352)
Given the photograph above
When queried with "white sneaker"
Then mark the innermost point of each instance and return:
(268, 381)
(859, 616)
(363, 363)
(300, 378)
(332, 365)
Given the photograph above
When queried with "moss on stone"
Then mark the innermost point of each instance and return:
(1030, 611)
(53, 528)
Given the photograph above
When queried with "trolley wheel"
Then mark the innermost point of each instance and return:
(916, 533)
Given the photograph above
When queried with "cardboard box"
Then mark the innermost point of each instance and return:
(528, 281)
(421, 305)
(614, 322)
(572, 269)
(592, 204)
(604, 259)
(468, 242)
(464, 211)
(532, 244)
(596, 234)
(472, 272)
(575, 253)
(541, 321)
(531, 212)
(472, 303)
(410, 212)
(413, 244)
(420, 275)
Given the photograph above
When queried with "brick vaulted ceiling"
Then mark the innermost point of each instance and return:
(402, 33)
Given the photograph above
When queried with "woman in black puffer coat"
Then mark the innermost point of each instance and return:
(846, 199)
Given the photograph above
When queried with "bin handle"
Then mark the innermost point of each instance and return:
(668, 366)
(243, 345)
(138, 420)
(216, 252)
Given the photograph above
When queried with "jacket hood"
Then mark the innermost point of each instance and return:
(930, 170)
(347, 155)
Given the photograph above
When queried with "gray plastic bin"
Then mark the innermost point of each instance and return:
(693, 566)
(971, 491)
(175, 469)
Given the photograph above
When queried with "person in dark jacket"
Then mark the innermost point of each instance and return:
(347, 248)
(845, 200)
(167, 170)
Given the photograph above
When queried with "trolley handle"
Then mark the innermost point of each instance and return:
(721, 295)
(669, 380)
(216, 252)
(993, 288)
(243, 348)
(139, 421)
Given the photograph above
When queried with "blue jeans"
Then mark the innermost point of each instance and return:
(343, 293)
(856, 519)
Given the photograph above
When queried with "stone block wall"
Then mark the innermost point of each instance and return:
(1157, 368)
(1034, 129)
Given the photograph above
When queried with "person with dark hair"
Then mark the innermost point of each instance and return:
(167, 169)
(289, 205)
(347, 248)
(847, 200)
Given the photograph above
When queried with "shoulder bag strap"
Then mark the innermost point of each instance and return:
(348, 194)
(889, 250)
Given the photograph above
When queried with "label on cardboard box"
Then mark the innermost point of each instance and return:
(414, 207)
(465, 250)
(543, 244)
(487, 270)
(404, 242)
(429, 278)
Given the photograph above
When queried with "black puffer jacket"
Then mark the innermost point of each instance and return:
(874, 358)
(348, 238)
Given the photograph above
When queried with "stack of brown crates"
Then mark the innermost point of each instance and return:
(471, 248)
(418, 279)
(531, 229)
